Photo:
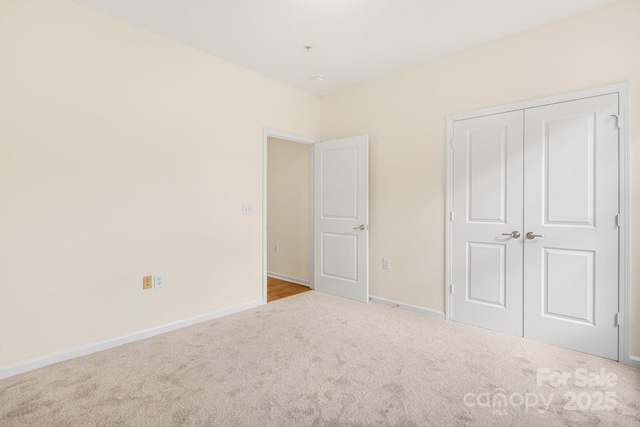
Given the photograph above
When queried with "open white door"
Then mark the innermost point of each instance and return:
(341, 217)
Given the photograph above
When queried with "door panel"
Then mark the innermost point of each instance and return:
(569, 285)
(486, 285)
(341, 217)
(339, 182)
(571, 198)
(487, 199)
(339, 256)
(486, 169)
(569, 170)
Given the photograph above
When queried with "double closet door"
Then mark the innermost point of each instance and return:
(534, 231)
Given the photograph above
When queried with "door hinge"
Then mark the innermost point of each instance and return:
(617, 319)
(452, 216)
(451, 290)
(618, 220)
(618, 120)
(451, 143)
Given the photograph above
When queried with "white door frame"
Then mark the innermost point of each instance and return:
(623, 284)
(266, 134)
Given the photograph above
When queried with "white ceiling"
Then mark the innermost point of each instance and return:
(352, 40)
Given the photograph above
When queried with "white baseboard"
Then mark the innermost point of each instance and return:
(288, 278)
(422, 310)
(634, 361)
(51, 359)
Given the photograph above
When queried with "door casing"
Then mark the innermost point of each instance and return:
(623, 251)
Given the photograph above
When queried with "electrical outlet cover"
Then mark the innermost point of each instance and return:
(147, 282)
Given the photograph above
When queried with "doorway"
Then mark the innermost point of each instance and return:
(338, 215)
(287, 204)
(288, 211)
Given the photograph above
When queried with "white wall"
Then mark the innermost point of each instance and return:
(124, 154)
(405, 116)
(288, 209)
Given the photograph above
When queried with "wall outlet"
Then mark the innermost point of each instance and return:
(158, 281)
(247, 209)
(276, 248)
(386, 263)
(147, 282)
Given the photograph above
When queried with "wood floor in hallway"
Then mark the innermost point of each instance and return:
(277, 289)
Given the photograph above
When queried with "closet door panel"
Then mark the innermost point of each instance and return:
(487, 260)
(571, 203)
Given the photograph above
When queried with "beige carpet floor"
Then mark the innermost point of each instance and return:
(315, 359)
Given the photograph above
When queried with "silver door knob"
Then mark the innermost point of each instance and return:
(515, 234)
(531, 235)
(362, 227)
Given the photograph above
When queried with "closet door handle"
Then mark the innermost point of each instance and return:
(515, 234)
(531, 235)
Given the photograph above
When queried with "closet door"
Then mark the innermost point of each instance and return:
(571, 207)
(487, 202)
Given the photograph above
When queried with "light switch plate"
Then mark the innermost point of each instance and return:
(158, 281)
